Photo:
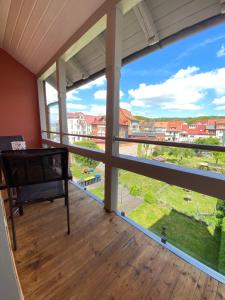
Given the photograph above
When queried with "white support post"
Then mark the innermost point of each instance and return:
(42, 110)
(113, 65)
(61, 88)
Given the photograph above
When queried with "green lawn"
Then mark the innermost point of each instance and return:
(190, 225)
(189, 235)
(98, 192)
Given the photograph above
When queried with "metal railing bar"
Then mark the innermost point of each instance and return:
(52, 132)
(172, 144)
(86, 136)
(78, 135)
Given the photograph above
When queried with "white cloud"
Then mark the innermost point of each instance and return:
(219, 101)
(76, 106)
(101, 94)
(97, 110)
(72, 95)
(125, 105)
(137, 103)
(221, 107)
(51, 93)
(221, 51)
(182, 91)
(95, 83)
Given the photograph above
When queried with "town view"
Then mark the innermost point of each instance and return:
(174, 97)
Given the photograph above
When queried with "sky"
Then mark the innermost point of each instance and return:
(184, 79)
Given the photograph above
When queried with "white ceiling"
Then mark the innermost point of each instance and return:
(33, 30)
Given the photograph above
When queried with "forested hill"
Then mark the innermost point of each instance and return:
(187, 120)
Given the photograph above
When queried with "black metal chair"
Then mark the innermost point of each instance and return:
(38, 175)
(5, 144)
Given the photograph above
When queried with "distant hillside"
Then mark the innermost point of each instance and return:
(187, 120)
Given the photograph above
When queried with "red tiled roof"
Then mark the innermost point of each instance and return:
(175, 125)
(74, 115)
(199, 130)
(89, 118)
(161, 124)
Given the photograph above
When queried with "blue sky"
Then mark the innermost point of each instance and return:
(184, 79)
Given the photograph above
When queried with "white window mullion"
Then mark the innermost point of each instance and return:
(113, 65)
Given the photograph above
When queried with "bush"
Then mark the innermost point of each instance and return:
(219, 214)
(221, 260)
(150, 198)
(85, 161)
(135, 190)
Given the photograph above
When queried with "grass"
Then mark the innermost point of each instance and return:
(98, 192)
(190, 225)
(188, 234)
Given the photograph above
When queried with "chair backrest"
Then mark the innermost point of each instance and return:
(26, 167)
(5, 141)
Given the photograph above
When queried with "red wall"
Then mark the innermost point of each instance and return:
(19, 113)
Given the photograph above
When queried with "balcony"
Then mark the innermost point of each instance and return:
(104, 258)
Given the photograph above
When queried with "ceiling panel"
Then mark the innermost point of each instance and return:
(32, 31)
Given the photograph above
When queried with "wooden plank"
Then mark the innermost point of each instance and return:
(5, 6)
(220, 295)
(103, 258)
(186, 283)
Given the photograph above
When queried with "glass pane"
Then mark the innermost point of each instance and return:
(88, 174)
(192, 222)
(86, 114)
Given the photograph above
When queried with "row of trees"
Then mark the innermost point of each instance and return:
(149, 151)
(86, 161)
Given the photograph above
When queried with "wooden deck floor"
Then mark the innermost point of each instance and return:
(103, 258)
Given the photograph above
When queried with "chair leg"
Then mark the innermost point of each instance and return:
(12, 221)
(21, 210)
(68, 215)
(67, 206)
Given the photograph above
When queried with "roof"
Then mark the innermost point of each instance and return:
(89, 118)
(175, 125)
(75, 115)
(147, 26)
(161, 125)
(198, 130)
(126, 117)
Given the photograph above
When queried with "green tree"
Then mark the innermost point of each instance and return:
(86, 161)
(218, 156)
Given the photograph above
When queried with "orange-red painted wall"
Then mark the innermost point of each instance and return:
(19, 113)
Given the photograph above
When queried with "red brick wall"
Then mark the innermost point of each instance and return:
(19, 114)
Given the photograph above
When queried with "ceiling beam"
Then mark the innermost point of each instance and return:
(222, 3)
(99, 43)
(146, 21)
(78, 68)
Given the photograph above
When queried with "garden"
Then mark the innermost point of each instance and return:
(193, 222)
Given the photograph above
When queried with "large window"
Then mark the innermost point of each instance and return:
(86, 114)
(190, 221)
(88, 174)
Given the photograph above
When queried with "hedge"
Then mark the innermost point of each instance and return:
(221, 261)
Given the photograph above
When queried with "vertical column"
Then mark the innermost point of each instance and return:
(113, 65)
(61, 88)
(42, 108)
